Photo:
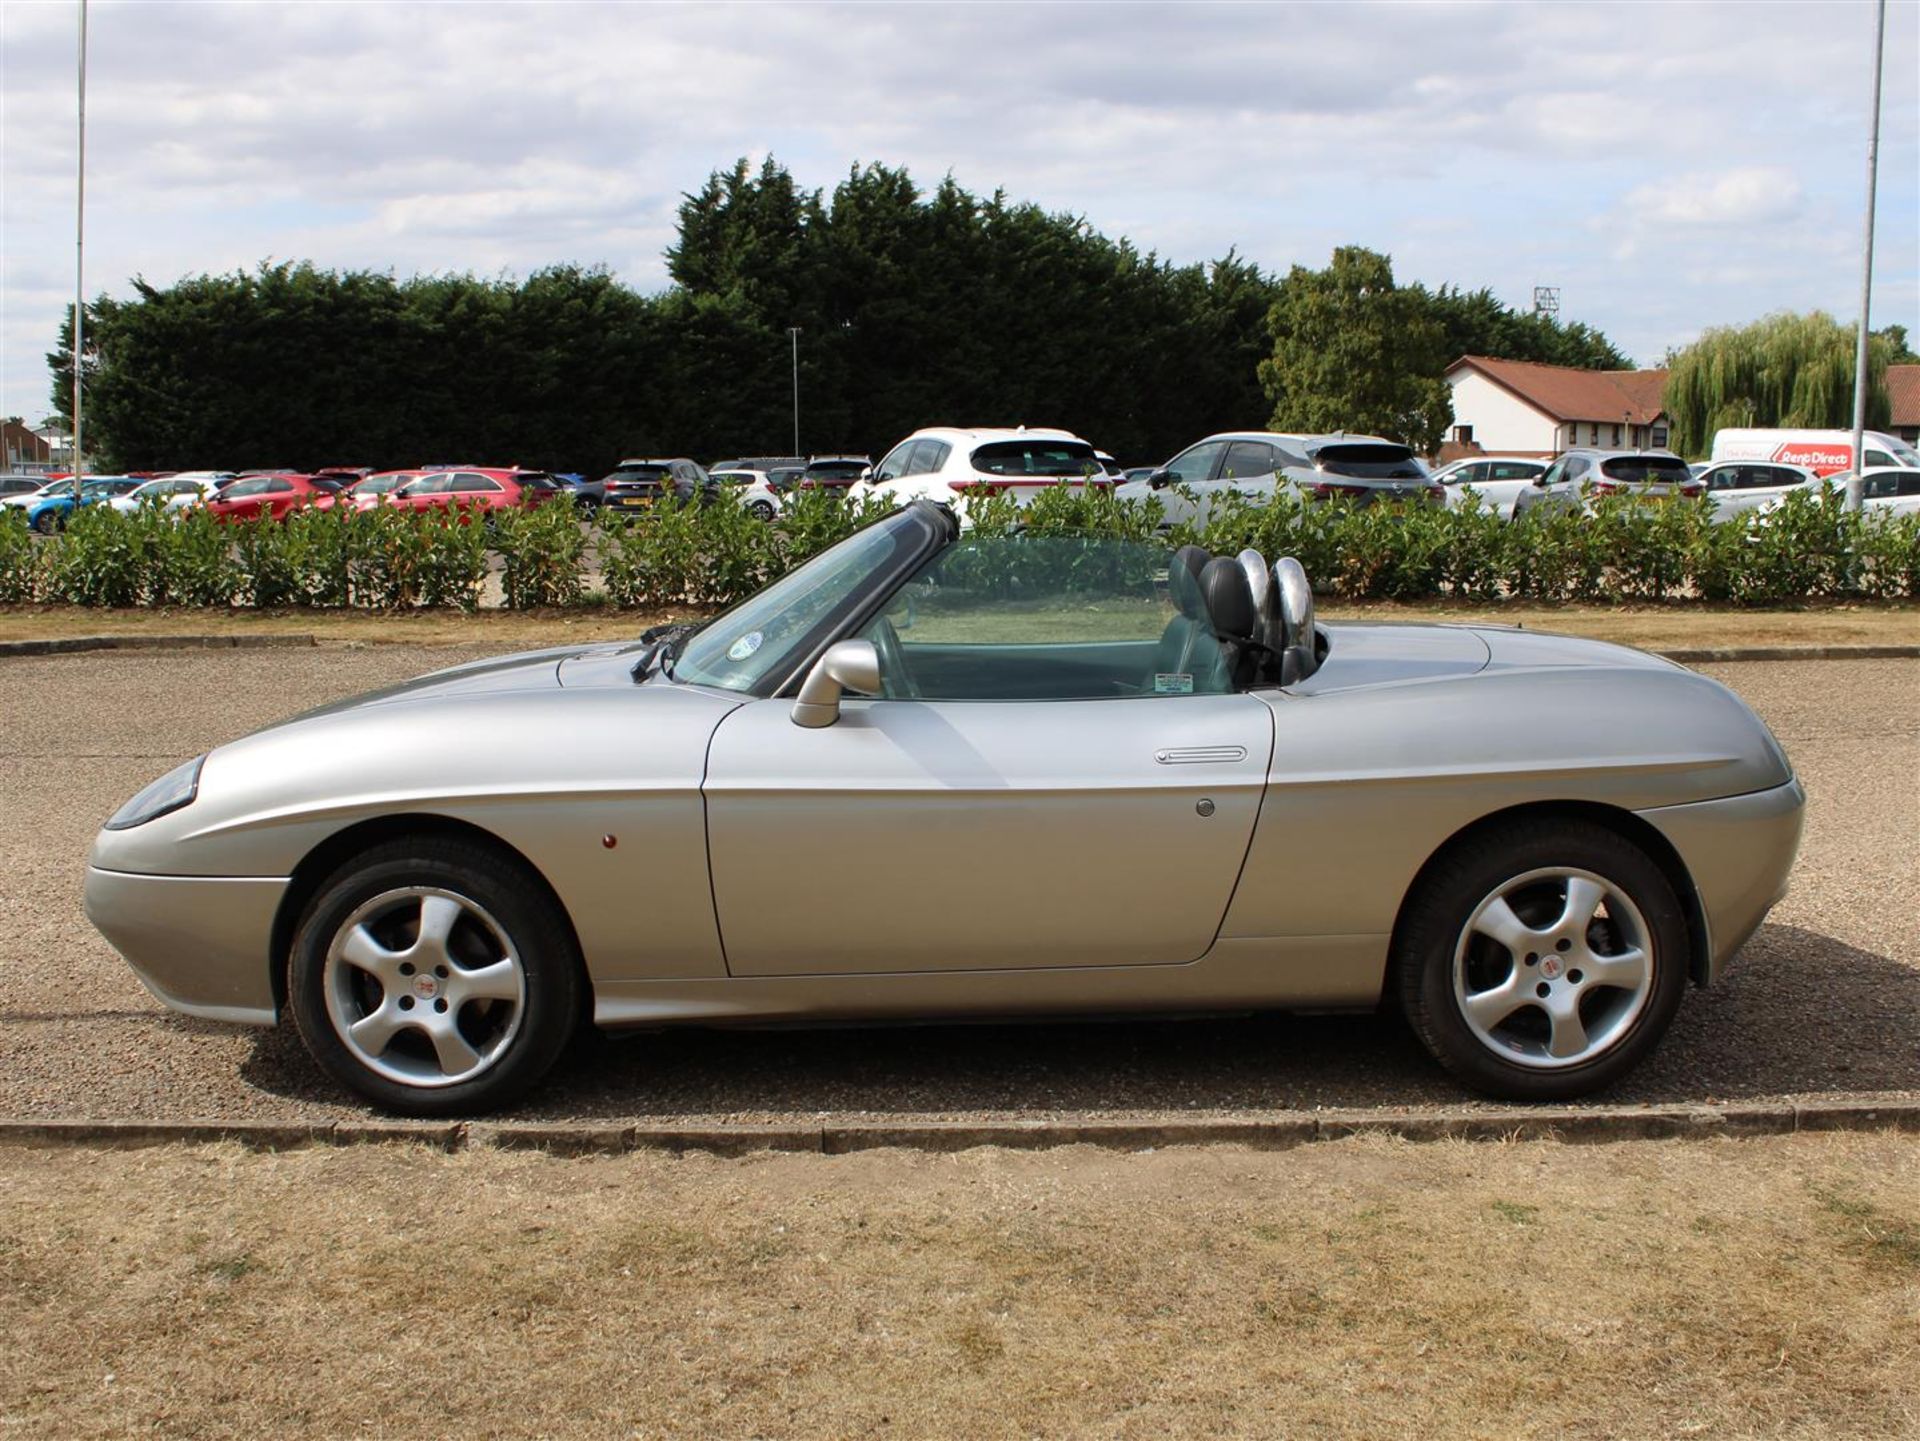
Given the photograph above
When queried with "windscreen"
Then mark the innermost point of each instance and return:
(1368, 460)
(1644, 469)
(1036, 458)
(638, 473)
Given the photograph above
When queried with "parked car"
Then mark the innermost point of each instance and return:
(1492, 481)
(1357, 469)
(370, 490)
(173, 493)
(637, 484)
(945, 464)
(1577, 476)
(1736, 487)
(831, 472)
(752, 489)
(43, 485)
(21, 484)
(1887, 490)
(760, 462)
(478, 491)
(273, 496)
(48, 510)
(1179, 792)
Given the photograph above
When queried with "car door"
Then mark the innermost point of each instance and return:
(1035, 790)
(1192, 470)
(244, 498)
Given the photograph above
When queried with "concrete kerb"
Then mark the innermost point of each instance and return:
(71, 645)
(1280, 1131)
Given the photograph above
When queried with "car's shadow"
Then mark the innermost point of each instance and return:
(1801, 1012)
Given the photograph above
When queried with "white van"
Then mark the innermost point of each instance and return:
(1824, 452)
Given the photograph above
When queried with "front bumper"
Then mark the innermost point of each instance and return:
(1739, 852)
(202, 944)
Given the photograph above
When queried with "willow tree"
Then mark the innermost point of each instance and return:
(1786, 370)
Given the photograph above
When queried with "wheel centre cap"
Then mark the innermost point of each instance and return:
(425, 987)
(1550, 967)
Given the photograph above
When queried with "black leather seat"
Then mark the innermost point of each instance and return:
(1229, 601)
(1187, 647)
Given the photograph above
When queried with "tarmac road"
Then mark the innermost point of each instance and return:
(1824, 1003)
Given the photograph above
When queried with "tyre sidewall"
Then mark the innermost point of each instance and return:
(517, 905)
(1429, 942)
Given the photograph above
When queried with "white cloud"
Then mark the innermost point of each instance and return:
(1745, 196)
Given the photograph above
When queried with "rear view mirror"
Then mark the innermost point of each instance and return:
(1161, 479)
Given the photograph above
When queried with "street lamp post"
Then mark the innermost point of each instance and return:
(1856, 484)
(793, 333)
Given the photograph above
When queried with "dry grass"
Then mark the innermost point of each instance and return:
(1361, 1288)
(1652, 627)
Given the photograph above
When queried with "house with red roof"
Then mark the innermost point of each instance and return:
(1903, 389)
(1519, 407)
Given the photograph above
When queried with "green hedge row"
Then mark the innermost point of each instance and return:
(680, 556)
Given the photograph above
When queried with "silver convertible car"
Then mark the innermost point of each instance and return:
(1055, 775)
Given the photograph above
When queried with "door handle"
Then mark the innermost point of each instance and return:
(1200, 755)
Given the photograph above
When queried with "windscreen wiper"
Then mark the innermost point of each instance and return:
(662, 643)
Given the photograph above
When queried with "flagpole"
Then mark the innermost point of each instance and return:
(1856, 486)
(80, 260)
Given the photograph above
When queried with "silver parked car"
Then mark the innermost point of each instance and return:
(1577, 476)
(1079, 775)
(1735, 487)
(1493, 482)
(1358, 469)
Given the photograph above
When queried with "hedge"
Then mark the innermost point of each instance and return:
(704, 556)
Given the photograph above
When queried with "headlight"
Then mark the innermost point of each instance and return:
(173, 790)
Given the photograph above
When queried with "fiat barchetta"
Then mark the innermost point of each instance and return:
(1057, 774)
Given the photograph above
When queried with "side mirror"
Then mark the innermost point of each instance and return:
(867, 474)
(1161, 479)
(848, 665)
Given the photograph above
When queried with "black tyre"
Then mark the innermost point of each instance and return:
(1543, 960)
(47, 522)
(762, 509)
(435, 976)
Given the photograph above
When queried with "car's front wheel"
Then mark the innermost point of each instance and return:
(1542, 962)
(434, 976)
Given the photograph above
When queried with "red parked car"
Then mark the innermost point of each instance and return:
(253, 496)
(483, 490)
(370, 490)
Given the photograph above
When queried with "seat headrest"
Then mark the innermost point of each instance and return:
(1183, 580)
(1229, 599)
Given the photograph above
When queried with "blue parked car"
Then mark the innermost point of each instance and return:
(49, 512)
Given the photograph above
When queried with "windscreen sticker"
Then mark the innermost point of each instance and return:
(1172, 683)
(745, 646)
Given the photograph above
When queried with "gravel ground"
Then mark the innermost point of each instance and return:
(1824, 1003)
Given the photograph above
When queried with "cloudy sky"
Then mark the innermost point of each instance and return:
(1669, 166)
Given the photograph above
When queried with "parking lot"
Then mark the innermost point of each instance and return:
(1823, 1003)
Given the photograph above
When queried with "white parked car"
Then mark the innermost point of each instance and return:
(21, 500)
(1736, 487)
(751, 489)
(173, 492)
(948, 465)
(1889, 489)
(1492, 481)
(1258, 464)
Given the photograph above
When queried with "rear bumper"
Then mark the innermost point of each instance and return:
(1739, 852)
(200, 943)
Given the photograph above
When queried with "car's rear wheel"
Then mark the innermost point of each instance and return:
(47, 522)
(762, 509)
(1543, 961)
(434, 976)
